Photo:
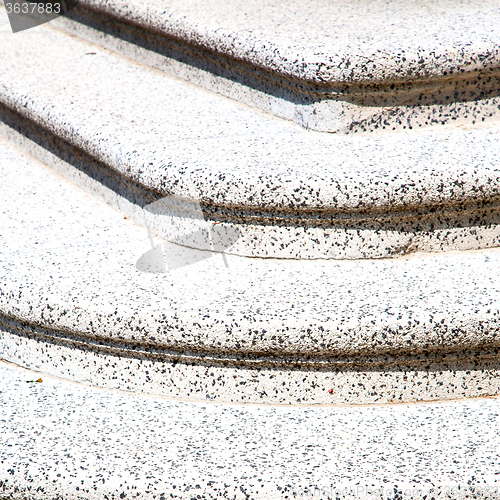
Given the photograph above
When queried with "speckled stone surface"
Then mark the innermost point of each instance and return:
(74, 304)
(332, 42)
(332, 66)
(138, 135)
(69, 441)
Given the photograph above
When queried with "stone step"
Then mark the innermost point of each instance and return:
(339, 67)
(75, 303)
(70, 441)
(219, 256)
(133, 136)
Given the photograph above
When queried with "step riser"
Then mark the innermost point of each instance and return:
(74, 304)
(246, 380)
(76, 165)
(288, 194)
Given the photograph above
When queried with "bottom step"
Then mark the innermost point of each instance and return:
(65, 440)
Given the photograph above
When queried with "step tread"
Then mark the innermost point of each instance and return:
(82, 443)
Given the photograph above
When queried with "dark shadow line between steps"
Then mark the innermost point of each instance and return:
(429, 361)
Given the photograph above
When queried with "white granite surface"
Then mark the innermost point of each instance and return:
(74, 304)
(347, 67)
(73, 442)
(341, 66)
(332, 42)
(73, 301)
(292, 193)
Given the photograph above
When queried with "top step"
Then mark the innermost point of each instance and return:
(338, 66)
